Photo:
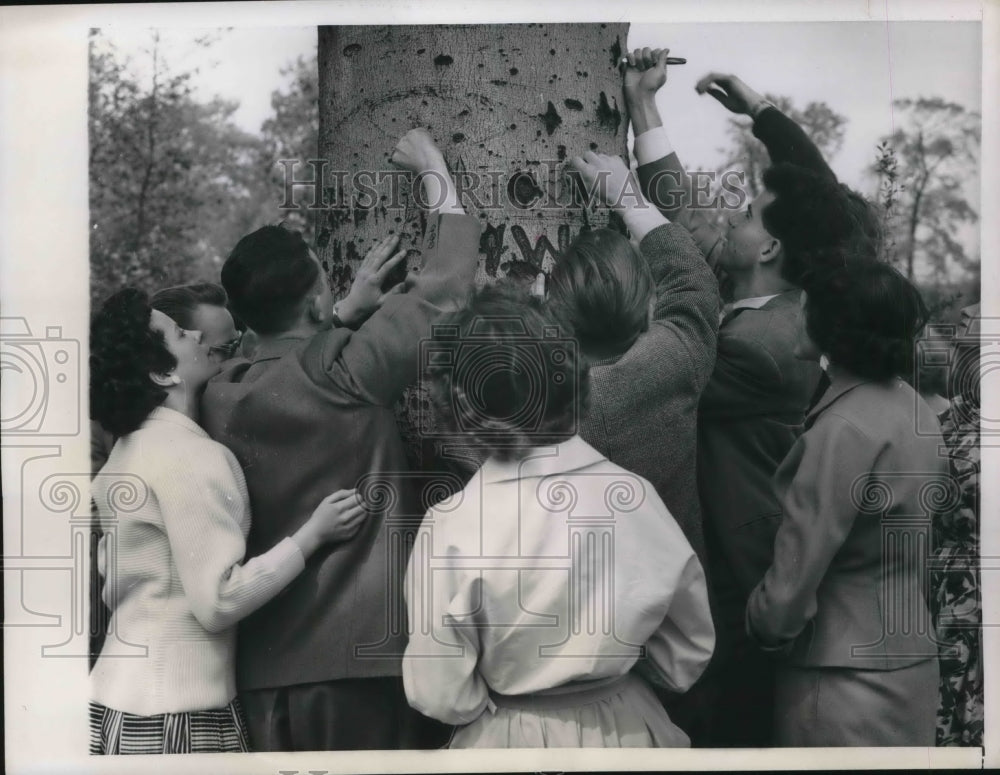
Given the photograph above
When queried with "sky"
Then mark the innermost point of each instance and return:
(858, 68)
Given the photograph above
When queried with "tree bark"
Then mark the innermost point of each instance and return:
(507, 104)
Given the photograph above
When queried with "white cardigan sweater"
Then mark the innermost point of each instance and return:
(179, 586)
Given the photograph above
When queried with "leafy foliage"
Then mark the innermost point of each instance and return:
(936, 166)
(174, 183)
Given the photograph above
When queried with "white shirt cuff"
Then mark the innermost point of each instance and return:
(652, 144)
(642, 219)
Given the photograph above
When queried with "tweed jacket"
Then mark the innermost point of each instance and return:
(858, 492)
(307, 417)
(644, 404)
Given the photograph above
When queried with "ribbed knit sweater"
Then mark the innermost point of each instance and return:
(171, 559)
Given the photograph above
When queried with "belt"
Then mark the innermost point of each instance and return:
(569, 695)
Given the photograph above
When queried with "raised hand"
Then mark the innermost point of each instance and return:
(734, 95)
(366, 294)
(606, 176)
(416, 151)
(645, 73)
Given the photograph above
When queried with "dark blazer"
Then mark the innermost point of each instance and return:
(755, 400)
(307, 417)
(643, 405)
(750, 415)
(857, 493)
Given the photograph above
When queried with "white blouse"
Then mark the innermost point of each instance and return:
(556, 568)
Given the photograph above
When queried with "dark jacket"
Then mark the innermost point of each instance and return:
(755, 400)
(311, 416)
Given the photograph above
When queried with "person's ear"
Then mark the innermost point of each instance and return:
(166, 381)
(315, 309)
(770, 251)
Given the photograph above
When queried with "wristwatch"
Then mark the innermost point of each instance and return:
(338, 322)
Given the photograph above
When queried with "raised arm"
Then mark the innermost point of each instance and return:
(665, 182)
(686, 302)
(377, 362)
(784, 139)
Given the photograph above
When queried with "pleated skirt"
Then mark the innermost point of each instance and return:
(115, 732)
(621, 712)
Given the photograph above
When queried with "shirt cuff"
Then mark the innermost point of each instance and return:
(641, 220)
(652, 144)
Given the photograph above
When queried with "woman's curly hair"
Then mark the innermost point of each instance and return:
(863, 314)
(503, 374)
(124, 351)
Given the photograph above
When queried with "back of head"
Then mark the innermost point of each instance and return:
(503, 373)
(864, 315)
(124, 351)
(180, 301)
(813, 212)
(602, 290)
(268, 277)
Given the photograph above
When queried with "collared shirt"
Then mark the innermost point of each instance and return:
(754, 302)
(555, 568)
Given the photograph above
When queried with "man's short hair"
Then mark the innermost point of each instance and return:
(268, 277)
(180, 301)
(602, 289)
(813, 212)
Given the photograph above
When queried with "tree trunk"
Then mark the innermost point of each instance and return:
(507, 104)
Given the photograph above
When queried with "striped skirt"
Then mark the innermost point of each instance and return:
(203, 731)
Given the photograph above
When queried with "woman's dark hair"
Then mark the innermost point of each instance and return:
(601, 289)
(124, 351)
(268, 276)
(502, 371)
(864, 315)
(179, 302)
(813, 212)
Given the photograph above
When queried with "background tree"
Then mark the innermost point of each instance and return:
(165, 170)
(936, 149)
(823, 125)
(292, 134)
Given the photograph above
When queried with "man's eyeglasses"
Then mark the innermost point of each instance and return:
(228, 349)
